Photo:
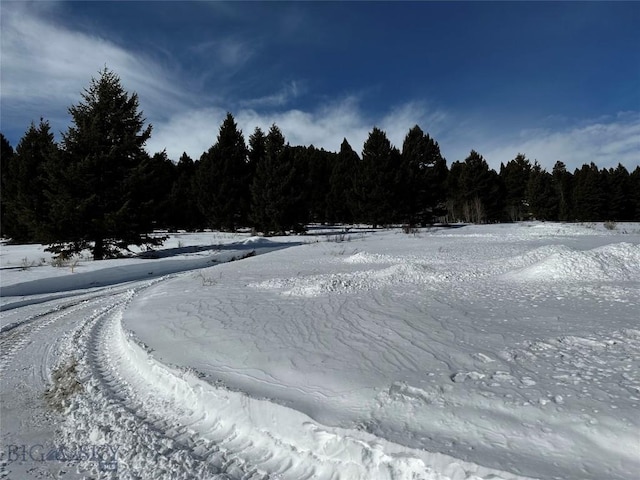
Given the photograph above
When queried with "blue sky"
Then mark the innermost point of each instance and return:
(555, 81)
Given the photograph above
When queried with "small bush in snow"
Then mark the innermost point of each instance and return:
(26, 264)
(610, 225)
(206, 281)
(65, 261)
(409, 229)
(339, 237)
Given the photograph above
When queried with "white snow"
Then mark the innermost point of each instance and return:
(501, 351)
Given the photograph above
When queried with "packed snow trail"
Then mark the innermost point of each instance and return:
(455, 342)
(81, 397)
(443, 356)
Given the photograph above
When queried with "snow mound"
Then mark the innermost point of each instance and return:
(615, 262)
(367, 258)
(401, 391)
(256, 241)
(343, 283)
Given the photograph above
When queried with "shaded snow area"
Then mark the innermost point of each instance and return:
(480, 352)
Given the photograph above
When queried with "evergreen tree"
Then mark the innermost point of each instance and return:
(340, 198)
(540, 194)
(618, 194)
(455, 195)
(98, 200)
(634, 191)
(588, 194)
(274, 193)
(376, 187)
(223, 179)
(160, 173)
(515, 177)
(28, 203)
(257, 150)
(7, 187)
(474, 190)
(184, 213)
(563, 186)
(421, 182)
(317, 164)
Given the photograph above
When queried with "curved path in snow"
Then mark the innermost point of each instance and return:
(81, 397)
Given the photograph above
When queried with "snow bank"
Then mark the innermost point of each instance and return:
(615, 262)
(439, 342)
(345, 283)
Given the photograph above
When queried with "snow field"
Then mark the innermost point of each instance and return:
(428, 342)
(483, 352)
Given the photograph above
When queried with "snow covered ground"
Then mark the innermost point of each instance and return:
(480, 352)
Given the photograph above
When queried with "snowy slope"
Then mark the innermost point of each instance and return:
(481, 352)
(514, 347)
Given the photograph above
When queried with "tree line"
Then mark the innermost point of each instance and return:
(99, 189)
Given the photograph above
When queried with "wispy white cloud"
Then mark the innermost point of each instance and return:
(325, 127)
(287, 93)
(46, 66)
(605, 141)
(226, 53)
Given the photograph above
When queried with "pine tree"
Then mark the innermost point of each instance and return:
(7, 187)
(376, 181)
(515, 177)
(455, 195)
(316, 165)
(618, 194)
(588, 194)
(274, 193)
(475, 191)
(340, 198)
(540, 194)
(99, 201)
(223, 179)
(563, 186)
(160, 173)
(634, 192)
(421, 182)
(29, 203)
(183, 208)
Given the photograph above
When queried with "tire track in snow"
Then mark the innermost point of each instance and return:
(14, 339)
(173, 425)
(153, 444)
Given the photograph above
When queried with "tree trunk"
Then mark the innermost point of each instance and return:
(98, 249)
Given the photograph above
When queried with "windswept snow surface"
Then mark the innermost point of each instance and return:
(481, 352)
(507, 347)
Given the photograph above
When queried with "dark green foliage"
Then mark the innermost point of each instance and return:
(223, 179)
(98, 197)
(541, 195)
(160, 173)
(315, 170)
(376, 181)
(100, 189)
(617, 184)
(26, 203)
(634, 189)
(422, 176)
(275, 194)
(184, 213)
(340, 199)
(474, 191)
(563, 186)
(257, 151)
(7, 216)
(515, 177)
(589, 194)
